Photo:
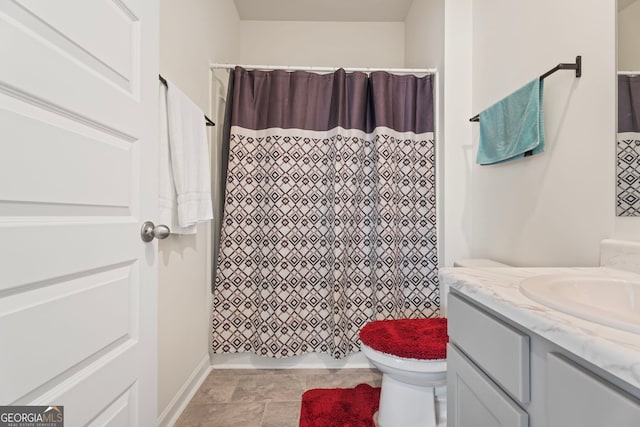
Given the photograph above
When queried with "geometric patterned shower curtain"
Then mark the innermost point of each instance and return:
(628, 146)
(330, 210)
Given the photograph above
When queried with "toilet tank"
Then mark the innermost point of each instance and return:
(467, 263)
(478, 263)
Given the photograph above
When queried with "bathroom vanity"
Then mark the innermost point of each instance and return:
(516, 362)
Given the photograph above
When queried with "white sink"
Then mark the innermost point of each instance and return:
(605, 300)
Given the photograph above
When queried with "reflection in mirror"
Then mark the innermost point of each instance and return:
(628, 141)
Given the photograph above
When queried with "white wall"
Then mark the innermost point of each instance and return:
(458, 146)
(331, 44)
(193, 33)
(437, 34)
(424, 34)
(629, 37)
(552, 209)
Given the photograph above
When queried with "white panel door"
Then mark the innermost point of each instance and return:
(78, 177)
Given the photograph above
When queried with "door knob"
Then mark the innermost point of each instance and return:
(150, 230)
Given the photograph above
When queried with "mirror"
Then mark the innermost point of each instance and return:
(628, 137)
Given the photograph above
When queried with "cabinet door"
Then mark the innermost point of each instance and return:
(471, 329)
(578, 398)
(474, 400)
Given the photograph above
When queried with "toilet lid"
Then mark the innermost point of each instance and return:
(424, 339)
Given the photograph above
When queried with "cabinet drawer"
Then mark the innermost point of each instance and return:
(501, 351)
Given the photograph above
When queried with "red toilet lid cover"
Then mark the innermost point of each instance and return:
(424, 339)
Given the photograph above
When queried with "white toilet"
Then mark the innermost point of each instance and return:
(409, 373)
(414, 388)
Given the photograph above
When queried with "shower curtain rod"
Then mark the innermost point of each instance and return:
(323, 69)
(208, 121)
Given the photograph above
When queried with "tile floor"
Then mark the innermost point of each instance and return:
(263, 397)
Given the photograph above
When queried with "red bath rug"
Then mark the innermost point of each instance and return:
(340, 407)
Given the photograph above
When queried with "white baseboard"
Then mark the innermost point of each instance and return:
(305, 361)
(172, 412)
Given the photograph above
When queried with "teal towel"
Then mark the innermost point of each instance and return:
(512, 126)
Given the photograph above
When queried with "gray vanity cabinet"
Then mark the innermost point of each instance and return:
(499, 375)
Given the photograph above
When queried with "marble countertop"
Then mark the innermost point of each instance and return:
(615, 351)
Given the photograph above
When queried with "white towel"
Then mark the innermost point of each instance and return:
(185, 175)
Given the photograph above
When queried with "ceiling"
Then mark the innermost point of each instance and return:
(323, 10)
